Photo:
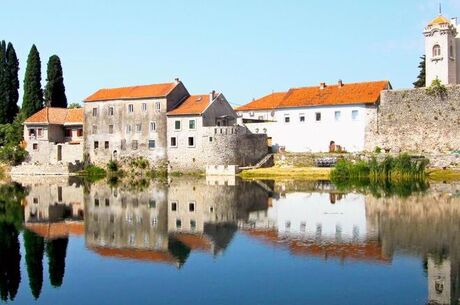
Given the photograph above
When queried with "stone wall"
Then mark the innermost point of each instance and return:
(414, 121)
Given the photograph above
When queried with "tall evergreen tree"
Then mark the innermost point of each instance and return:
(12, 70)
(35, 247)
(33, 93)
(55, 89)
(10, 258)
(3, 84)
(56, 251)
(421, 78)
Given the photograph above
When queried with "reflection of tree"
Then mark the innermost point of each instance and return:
(56, 251)
(11, 218)
(10, 258)
(35, 247)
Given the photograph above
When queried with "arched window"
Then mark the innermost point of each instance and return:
(436, 51)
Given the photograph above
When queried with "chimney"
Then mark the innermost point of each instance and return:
(340, 83)
(177, 80)
(213, 94)
(322, 86)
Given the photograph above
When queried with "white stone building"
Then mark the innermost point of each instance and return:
(308, 119)
(442, 49)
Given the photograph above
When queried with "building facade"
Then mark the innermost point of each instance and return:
(442, 50)
(54, 136)
(164, 123)
(310, 119)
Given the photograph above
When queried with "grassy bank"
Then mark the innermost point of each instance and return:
(444, 174)
(301, 173)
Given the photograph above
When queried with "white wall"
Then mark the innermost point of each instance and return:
(312, 135)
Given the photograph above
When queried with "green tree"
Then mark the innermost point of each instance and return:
(56, 251)
(12, 70)
(3, 84)
(35, 247)
(33, 93)
(10, 259)
(74, 105)
(55, 89)
(421, 78)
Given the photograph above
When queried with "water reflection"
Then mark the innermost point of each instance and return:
(166, 223)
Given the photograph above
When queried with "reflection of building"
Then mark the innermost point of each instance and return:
(164, 224)
(53, 207)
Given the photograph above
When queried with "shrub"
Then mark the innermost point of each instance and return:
(113, 166)
(377, 150)
(437, 89)
(12, 154)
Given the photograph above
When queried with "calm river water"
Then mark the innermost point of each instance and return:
(226, 241)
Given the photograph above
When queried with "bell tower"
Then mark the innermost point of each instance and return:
(441, 51)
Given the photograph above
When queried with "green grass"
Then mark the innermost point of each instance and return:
(300, 173)
(93, 173)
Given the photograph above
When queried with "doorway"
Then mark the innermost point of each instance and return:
(59, 153)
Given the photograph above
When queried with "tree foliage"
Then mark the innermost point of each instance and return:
(421, 78)
(56, 251)
(33, 93)
(12, 71)
(35, 248)
(55, 89)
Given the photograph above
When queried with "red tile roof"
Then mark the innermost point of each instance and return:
(57, 229)
(194, 104)
(59, 116)
(194, 242)
(354, 93)
(129, 93)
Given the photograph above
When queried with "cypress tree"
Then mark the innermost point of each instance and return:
(421, 78)
(33, 93)
(12, 70)
(3, 84)
(35, 247)
(55, 89)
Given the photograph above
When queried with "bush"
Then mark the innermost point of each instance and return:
(437, 89)
(377, 150)
(94, 171)
(113, 166)
(12, 154)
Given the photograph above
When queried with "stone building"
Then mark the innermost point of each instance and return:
(442, 50)
(309, 119)
(54, 135)
(164, 123)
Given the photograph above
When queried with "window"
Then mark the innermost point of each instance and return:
(134, 144)
(210, 139)
(178, 223)
(110, 111)
(138, 127)
(110, 128)
(152, 204)
(35, 200)
(177, 125)
(144, 106)
(318, 116)
(337, 115)
(157, 106)
(354, 115)
(191, 124)
(96, 144)
(191, 142)
(436, 50)
(192, 225)
(128, 128)
(173, 142)
(96, 202)
(94, 129)
(80, 132)
(173, 206)
(191, 207)
(251, 114)
(153, 126)
(288, 225)
(151, 144)
(302, 118)
(130, 108)
(106, 144)
(287, 119)
(35, 146)
(39, 132)
(107, 202)
(94, 111)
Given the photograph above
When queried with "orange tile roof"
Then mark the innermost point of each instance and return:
(135, 254)
(134, 92)
(194, 104)
(353, 93)
(59, 116)
(194, 242)
(439, 20)
(57, 229)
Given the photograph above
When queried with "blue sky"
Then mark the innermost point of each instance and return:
(243, 48)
